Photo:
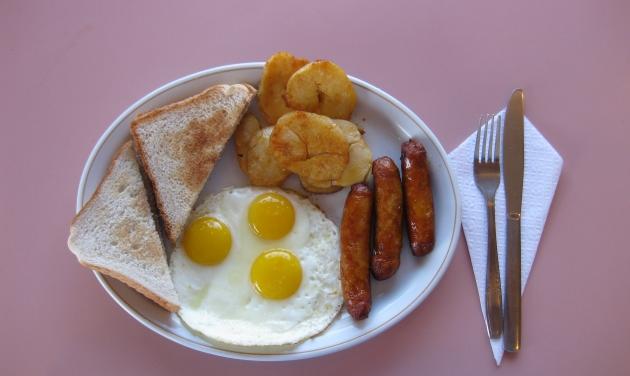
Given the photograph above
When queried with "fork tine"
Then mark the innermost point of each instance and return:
(491, 139)
(497, 142)
(484, 152)
(478, 138)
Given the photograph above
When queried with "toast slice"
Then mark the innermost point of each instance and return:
(180, 143)
(115, 233)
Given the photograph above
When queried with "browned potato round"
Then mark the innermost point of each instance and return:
(360, 155)
(278, 69)
(316, 186)
(349, 129)
(254, 155)
(262, 167)
(245, 131)
(321, 87)
(310, 145)
(359, 164)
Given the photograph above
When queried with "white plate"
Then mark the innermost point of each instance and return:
(387, 123)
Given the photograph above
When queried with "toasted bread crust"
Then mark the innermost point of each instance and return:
(195, 99)
(171, 307)
(195, 177)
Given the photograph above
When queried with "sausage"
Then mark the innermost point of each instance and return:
(355, 251)
(418, 198)
(388, 219)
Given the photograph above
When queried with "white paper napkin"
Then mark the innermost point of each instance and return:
(542, 170)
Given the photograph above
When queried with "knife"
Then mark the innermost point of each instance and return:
(513, 167)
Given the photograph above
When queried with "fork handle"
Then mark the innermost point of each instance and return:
(494, 314)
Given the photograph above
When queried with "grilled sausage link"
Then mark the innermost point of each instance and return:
(418, 198)
(355, 251)
(388, 223)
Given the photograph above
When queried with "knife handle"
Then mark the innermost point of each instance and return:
(512, 332)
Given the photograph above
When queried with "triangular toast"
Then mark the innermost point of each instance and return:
(180, 143)
(115, 233)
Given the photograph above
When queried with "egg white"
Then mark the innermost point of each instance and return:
(220, 303)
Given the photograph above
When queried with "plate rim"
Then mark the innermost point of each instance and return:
(289, 355)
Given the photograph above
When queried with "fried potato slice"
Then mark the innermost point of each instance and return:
(316, 186)
(262, 167)
(360, 155)
(278, 69)
(350, 130)
(321, 87)
(310, 145)
(245, 131)
(359, 164)
(254, 155)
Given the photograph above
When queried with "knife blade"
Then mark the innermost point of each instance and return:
(513, 170)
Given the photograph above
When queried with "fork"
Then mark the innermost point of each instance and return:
(487, 171)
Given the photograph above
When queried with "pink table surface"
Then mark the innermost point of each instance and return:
(70, 67)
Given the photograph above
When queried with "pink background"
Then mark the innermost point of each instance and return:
(70, 67)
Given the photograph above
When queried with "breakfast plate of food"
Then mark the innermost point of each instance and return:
(267, 211)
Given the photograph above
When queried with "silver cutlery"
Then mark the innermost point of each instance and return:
(487, 172)
(513, 168)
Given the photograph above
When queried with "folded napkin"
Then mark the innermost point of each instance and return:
(542, 170)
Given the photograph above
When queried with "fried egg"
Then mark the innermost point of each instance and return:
(257, 267)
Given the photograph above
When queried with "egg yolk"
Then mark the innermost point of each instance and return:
(207, 241)
(271, 216)
(276, 274)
